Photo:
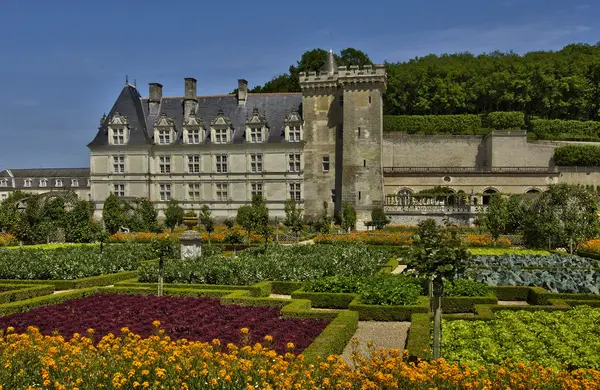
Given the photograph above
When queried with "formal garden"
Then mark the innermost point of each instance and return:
(121, 309)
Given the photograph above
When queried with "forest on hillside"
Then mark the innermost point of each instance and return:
(563, 84)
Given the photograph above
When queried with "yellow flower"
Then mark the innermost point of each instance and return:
(244, 331)
(156, 323)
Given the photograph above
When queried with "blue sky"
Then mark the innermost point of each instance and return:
(63, 62)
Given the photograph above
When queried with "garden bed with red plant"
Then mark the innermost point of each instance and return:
(198, 319)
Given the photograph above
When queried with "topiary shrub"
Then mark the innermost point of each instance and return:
(504, 120)
(432, 124)
(577, 155)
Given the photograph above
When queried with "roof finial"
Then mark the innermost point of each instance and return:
(126, 79)
(330, 65)
(135, 83)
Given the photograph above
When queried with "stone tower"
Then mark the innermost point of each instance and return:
(343, 112)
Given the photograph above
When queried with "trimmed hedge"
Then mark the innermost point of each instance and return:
(504, 120)
(22, 292)
(559, 129)
(433, 124)
(577, 155)
(285, 288)
(92, 281)
(178, 292)
(28, 304)
(334, 337)
(511, 293)
(419, 337)
(388, 313)
(326, 300)
(466, 304)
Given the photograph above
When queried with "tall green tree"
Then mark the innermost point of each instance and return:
(206, 219)
(437, 255)
(496, 217)
(348, 217)
(113, 214)
(562, 216)
(80, 225)
(173, 214)
(378, 218)
(244, 219)
(260, 217)
(145, 216)
(293, 217)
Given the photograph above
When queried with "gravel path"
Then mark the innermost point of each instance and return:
(513, 303)
(387, 335)
(399, 269)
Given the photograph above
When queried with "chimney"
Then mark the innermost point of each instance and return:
(154, 99)
(190, 101)
(242, 93)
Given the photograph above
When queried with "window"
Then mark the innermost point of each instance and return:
(119, 164)
(58, 183)
(222, 191)
(43, 182)
(165, 191)
(164, 137)
(118, 137)
(193, 136)
(365, 163)
(369, 99)
(194, 191)
(294, 162)
(164, 164)
(27, 182)
(119, 189)
(256, 163)
(359, 195)
(256, 189)
(326, 164)
(221, 163)
(255, 135)
(74, 183)
(194, 164)
(4, 183)
(295, 191)
(359, 132)
(333, 195)
(294, 134)
(221, 136)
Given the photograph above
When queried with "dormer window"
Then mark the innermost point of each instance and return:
(221, 130)
(3, 182)
(58, 183)
(74, 183)
(163, 130)
(118, 129)
(293, 127)
(193, 129)
(256, 135)
(43, 182)
(164, 137)
(27, 183)
(257, 129)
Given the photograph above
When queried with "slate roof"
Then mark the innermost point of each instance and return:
(18, 176)
(274, 107)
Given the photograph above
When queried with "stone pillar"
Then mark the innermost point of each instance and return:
(190, 244)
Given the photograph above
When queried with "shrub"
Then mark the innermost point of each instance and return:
(432, 124)
(465, 288)
(8, 240)
(557, 129)
(378, 218)
(577, 155)
(390, 290)
(501, 120)
(334, 284)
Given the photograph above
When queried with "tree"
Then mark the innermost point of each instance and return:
(173, 214)
(348, 217)
(207, 221)
(229, 223)
(563, 216)
(293, 217)
(79, 223)
(113, 214)
(144, 217)
(496, 217)
(516, 210)
(234, 238)
(323, 223)
(260, 217)
(378, 218)
(437, 255)
(352, 56)
(244, 219)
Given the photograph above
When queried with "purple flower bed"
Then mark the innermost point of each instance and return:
(202, 319)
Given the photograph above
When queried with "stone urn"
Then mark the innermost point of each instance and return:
(190, 220)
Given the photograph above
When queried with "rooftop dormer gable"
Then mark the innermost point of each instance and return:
(118, 129)
(193, 129)
(164, 130)
(221, 129)
(257, 129)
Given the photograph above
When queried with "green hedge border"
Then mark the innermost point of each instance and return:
(332, 340)
(466, 304)
(419, 336)
(388, 313)
(92, 281)
(19, 292)
(326, 300)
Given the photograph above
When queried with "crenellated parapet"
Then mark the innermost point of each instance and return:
(374, 75)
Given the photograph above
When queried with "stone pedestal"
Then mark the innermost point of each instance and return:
(190, 243)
